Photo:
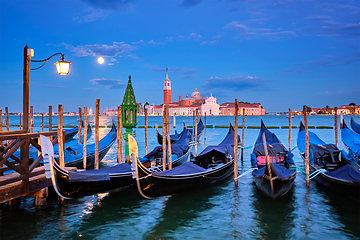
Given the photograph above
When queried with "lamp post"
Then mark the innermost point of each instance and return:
(63, 68)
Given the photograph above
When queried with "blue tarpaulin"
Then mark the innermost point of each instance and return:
(183, 169)
(283, 173)
(346, 172)
(101, 174)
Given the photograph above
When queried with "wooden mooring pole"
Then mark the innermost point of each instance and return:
(243, 134)
(7, 122)
(85, 137)
(289, 138)
(196, 116)
(236, 142)
(1, 126)
(42, 122)
(193, 127)
(31, 119)
(20, 121)
(146, 133)
(164, 139)
(205, 128)
(80, 125)
(306, 146)
(97, 113)
(168, 136)
(50, 121)
(336, 126)
(61, 137)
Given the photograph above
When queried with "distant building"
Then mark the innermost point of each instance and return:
(167, 88)
(185, 106)
(251, 109)
(344, 109)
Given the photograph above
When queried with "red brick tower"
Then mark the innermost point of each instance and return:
(167, 89)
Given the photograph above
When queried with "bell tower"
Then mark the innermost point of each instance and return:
(167, 89)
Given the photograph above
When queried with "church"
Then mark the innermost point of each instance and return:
(185, 106)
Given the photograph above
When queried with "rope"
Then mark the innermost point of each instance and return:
(317, 172)
(293, 148)
(239, 147)
(243, 174)
(312, 175)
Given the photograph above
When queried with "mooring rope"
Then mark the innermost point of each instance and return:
(311, 175)
(239, 147)
(246, 172)
(293, 148)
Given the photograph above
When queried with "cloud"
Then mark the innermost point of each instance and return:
(100, 50)
(114, 5)
(300, 68)
(138, 42)
(247, 33)
(328, 27)
(190, 3)
(93, 16)
(195, 36)
(239, 83)
(110, 83)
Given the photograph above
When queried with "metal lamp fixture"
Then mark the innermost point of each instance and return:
(62, 66)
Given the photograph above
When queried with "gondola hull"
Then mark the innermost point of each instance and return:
(275, 160)
(118, 180)
(69, 189)
(280, 187)
(154, 185)
(351, 189)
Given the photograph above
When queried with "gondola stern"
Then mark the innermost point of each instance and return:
(47, 151)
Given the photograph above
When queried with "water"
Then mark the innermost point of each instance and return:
(218, 212)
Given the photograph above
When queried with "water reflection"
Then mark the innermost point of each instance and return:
(344, 210)
(179, 211)
(274, 217)
(110, 209)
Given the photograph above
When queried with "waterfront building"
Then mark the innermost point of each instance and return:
(251, 109)
(344, 109)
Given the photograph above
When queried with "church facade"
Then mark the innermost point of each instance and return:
(185, 106)
(205, 105)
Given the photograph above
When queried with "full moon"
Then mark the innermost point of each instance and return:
(100, 60)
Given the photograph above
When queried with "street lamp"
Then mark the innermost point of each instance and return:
(62, 67)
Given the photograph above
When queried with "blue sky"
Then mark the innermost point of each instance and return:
(281, 53)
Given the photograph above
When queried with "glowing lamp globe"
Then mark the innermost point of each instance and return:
(63, 67)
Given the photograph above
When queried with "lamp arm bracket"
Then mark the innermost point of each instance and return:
(46, 60)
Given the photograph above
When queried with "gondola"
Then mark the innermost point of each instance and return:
(174, 137)
(354, 125)
(336, 170)
(200, 129)
(180, 150)
(33, 152)
(212, 165)
(73, 184)
(73, 155)
(350, 138)
(277, 181)
(69, 133)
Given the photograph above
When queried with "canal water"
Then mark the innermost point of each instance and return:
(218, 212)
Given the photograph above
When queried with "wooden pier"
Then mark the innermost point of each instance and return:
(27, 178)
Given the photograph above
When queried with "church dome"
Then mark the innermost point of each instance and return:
(195, 94)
